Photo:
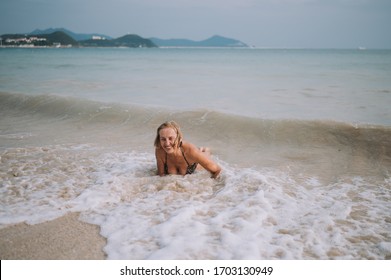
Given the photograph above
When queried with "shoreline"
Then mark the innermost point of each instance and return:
(65, 238)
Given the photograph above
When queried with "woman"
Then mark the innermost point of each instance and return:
(176, 156)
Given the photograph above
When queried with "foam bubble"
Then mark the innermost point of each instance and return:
(248, 213)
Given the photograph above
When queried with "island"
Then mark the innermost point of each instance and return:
(129, 41)
(63, 38)
(55, 39)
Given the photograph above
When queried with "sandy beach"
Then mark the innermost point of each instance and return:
(302, 136)
(65, 238)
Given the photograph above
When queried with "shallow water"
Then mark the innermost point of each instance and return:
(323, 192)
(303, 187)
(351, 86)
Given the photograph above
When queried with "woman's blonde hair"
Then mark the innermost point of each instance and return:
(175, 127)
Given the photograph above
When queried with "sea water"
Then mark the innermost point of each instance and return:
(303, 137)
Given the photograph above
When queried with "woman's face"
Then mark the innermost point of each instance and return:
(167, 139)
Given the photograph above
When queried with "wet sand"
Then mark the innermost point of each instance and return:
(65, 238)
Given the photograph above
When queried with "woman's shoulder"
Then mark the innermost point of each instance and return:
(188, 147)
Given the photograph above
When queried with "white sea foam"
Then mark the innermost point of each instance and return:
(248, 213)
(305, 150)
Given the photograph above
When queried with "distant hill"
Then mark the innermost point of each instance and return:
(130, 41)
(100, 40)
(57, 38)
(214, 41)
(76, 36)
(64, 37)
(61, 39)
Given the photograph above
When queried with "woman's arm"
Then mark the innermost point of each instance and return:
(159, 162)
(195, 155)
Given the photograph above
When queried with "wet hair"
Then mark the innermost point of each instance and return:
(175, 127)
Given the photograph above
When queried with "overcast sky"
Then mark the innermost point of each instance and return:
(262, 23)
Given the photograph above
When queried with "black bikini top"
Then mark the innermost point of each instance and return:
(190, 167)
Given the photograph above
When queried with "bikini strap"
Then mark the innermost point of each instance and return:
(183, 154)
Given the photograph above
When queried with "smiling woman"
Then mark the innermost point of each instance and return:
(175, 156)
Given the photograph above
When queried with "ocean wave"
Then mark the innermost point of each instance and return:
(225, 128)
(290, 189)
